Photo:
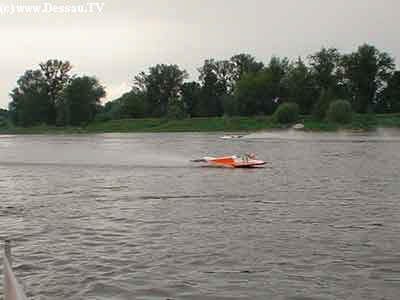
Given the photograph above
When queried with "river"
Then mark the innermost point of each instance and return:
(127, 216)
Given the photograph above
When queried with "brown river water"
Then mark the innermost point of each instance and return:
(127, 216)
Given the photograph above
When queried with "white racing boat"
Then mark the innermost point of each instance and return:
(231, 137)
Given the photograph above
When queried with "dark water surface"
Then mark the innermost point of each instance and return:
(125, 216)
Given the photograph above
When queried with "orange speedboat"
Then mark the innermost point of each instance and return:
(234, 161)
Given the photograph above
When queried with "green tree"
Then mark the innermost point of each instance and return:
(31, 103)
(287, 113)
(261, 92)
(191, 95)
(230, 105)
(56, 76)
(82, 98)
(301, 87)
(3, 113)
(321, 107)
(134, 104)
(160, 84)
(223, 72)
(340, 112)
(366, 73)
(4, 121)
(176, 109)
(113, 110)
(325, 68)
(255, 94)
(217, 81)
(243, 64)
(37, 97)
(389, 100)
(278, 69)
(3, 117)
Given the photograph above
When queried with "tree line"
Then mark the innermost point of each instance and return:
(51, 95)
(239, 86)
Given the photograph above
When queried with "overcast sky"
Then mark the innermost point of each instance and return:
(129, 36)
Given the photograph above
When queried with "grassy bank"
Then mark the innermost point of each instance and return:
(236, 124)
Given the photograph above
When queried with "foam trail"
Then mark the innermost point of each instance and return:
(378, 135)
(163, 159)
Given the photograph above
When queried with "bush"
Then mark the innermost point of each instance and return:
(340, 112)
(103, 117)
(3, 122)
(321, 108)
(287, 113)
(176, 110)
(230, 105)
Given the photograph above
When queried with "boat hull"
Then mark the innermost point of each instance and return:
(233, 162)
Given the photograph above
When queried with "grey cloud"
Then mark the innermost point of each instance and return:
(129, 36)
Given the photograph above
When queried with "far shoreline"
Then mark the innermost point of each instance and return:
(360, 123)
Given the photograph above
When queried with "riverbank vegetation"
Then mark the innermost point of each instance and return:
(327, 90)
(216, 124)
